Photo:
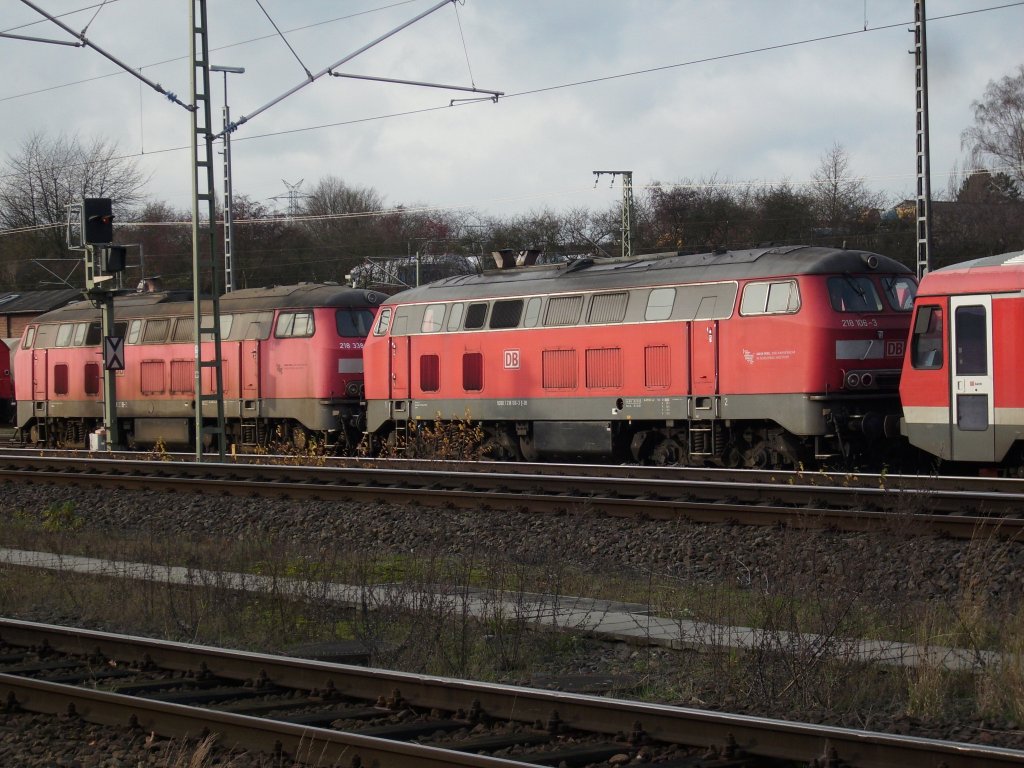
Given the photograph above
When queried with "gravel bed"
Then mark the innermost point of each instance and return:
(877, 567)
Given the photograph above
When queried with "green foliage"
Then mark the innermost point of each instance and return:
(62, 518)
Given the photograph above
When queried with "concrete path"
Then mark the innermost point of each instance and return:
(628, 622)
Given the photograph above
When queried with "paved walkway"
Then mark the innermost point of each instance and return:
(628, 622)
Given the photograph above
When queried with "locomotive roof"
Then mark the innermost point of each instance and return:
(246, 300)
(1003, 273)
(655, 269)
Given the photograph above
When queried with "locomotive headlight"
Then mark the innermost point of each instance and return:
(352, 390)
(866, 380)
(853, 380)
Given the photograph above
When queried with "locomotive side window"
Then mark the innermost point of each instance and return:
(94, 335)
(60, 379)
(354, 322)
(971, 341)
(472, 371)
(92, 378)
(770, 298)
(226, 321)
(383, 322)
(532, 316)
(292, 325)
(853, 294)
(64, 332)
(563, 310)
(184, 329)
(134, 329)
(506, 314)
(455, 316)
(250, 326)
(156, 331)
(30, 336)
(926, 341)
(80, 331)
(899, 292)
(433, 318)
(475, 316)
(659, 304)
(607, 308)
(430, 373)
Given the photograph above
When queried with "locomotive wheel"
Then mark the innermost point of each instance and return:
(500, 446)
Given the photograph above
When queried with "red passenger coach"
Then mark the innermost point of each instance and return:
(6, 382)
(963, 384)
(765, 357)
(291, 364)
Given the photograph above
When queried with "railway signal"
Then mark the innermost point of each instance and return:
(99, 220)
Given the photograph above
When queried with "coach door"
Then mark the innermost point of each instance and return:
(972, 409)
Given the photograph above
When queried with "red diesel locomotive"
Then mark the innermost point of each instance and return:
(291, 363)
(963, 385)
(756, 358)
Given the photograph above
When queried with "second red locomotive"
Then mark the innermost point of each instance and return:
(758, 358)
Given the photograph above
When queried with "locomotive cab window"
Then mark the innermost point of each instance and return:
(770, 298)
(900, 292)
(853, 294)
(294, 325)
(30, 336)
(926, 341)
(383, 322)
(433, 318)
(81, 329)
(64, 333)
(659, 304)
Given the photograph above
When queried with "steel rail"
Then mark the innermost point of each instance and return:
(855, 509)
(754, 735)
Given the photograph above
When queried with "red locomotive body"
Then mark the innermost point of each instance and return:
(963, 385)
(291, 364)
(765, 357)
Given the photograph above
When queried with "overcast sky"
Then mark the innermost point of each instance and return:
(740, 90)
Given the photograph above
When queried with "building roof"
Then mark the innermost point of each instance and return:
(36, 302)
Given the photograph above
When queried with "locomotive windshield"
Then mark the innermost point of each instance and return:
(354, 322)
(853, 294)
(900, 291)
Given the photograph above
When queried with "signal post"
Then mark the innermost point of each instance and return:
(103, 262)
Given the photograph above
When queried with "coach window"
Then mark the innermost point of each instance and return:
(455, 316)
(659, 304)
(506, 314)
(433, 318)
(80, 331)
(476, 316)
(900, 292)
(926, 342)
(294, 325)
(156, 331)
(563, 310)
(64, 332)
(971, 341)
(532, 312)
(383, 322)
(30, 336)
(853, 294)
(134, 331)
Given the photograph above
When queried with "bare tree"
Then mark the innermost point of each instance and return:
(46, 174)
(998, 130)
(840, 199)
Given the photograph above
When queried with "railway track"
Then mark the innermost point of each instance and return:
(349, 715)
(854, 503)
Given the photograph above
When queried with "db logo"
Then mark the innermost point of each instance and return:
(894, 349)
(512, 358)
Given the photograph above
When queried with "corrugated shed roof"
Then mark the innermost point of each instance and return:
(35, 302)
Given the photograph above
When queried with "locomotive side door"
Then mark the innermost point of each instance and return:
(39, 374)
(399, 367)
(972, 409)
(704, 365)
(249, 366)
